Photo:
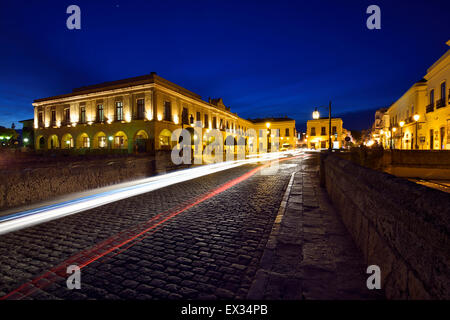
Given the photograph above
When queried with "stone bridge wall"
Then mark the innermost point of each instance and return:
(23, 186)
(400, 226)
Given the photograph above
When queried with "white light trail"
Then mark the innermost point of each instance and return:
(25, 219)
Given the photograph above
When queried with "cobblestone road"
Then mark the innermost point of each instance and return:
(210, 251)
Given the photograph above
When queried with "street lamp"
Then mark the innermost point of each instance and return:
(316, 116)
(402, 123)
(416, 119)
(394, 129)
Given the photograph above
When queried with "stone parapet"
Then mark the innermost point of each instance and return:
(400, 226)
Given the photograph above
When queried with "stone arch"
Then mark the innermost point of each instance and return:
(83, 140)
(120, 140)
(40, 142)
(67, 141)
(141, 141)
(99, 140)
(164, 139)
(53, 142)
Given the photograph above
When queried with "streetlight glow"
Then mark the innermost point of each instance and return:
(416, 117)
(402, 123)
(316, 114)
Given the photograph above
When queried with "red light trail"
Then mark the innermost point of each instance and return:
(128, 237)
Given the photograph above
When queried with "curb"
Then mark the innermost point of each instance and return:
(256, 291)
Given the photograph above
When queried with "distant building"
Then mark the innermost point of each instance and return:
(136, 115)
(317, 133)
(377, 126)
(28, 133)
(420, 118)
(286, 130)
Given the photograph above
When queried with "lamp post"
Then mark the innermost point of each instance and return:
(390, 137)
(416, 119)
(382, 137)
(394, 129)
(316, 116)
(402, 123)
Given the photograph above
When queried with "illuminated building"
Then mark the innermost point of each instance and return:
(428, 102)
(317, 133)
(135, 115)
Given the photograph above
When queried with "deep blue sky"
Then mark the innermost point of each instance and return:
(264, 58)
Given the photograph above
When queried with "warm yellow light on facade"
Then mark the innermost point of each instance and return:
(159, 117)
(381, 131)
(402, 123)
(267, 125)
(416, 117)
(128, 117)
(394, 129)
(175, 119)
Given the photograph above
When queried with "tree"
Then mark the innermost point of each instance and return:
(7, 136)
(356, 135)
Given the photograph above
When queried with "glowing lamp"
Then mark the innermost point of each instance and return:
(416, 117)
(316, 114)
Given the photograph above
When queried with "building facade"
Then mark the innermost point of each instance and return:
(317, 133)
(136, 115)
(420, 119)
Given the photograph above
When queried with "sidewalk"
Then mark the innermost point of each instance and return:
(310, 254)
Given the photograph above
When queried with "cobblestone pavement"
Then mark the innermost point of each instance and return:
(310, 254)
(210, 251)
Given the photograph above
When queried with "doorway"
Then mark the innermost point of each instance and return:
(441, 137)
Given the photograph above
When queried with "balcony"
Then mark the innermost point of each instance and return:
(430, 107)
(65, 122)
(440, 103)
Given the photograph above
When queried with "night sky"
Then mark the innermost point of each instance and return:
(264, 58)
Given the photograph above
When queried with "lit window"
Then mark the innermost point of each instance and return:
(119, 111)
